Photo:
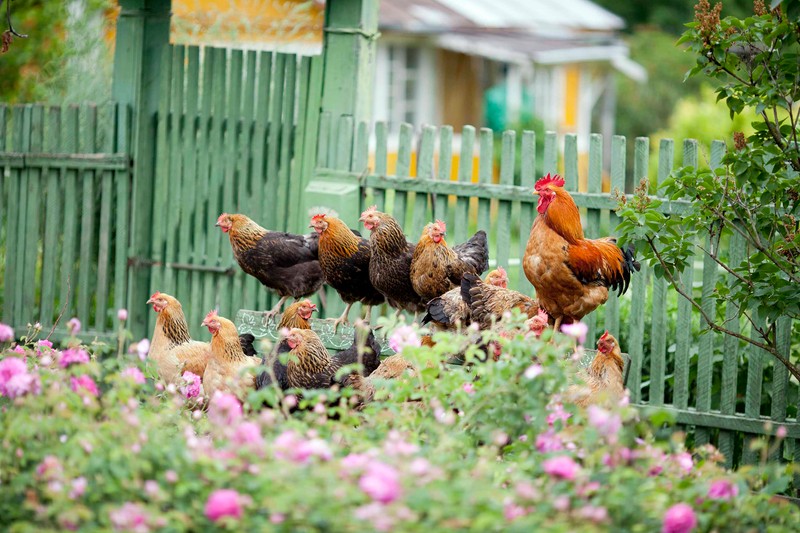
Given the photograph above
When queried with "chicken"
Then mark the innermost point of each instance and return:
(537, 324)
(449, 312)
(390, 261)
(309, 366)
(393, 367)
(603, 379)
(488, 303)
(172, 349)
(344, 258)
(284, 262)
(370, 358)
(435, 268)
(571, 274)
(228, 369)
(297, 315)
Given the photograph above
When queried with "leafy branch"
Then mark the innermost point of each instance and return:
(10, 33)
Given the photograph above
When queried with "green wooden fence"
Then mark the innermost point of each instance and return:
(65, 210)
(698, 377)
(234, 131)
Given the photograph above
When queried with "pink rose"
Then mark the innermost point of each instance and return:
(73, 356)
(83, 385)
(381, 482)
(224, 409)
(133, 373)
(225, 502)
(15, 380)
(562, 467)
(402, 337)
(191, 387)
(576, 330)
(130, 517)
(248, 433)
(723, 489)
(6, 333)
(122, 315)
(469, 388)
(605, 422)
(74, 326)
(679, 518)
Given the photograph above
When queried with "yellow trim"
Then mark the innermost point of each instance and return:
(572, 80)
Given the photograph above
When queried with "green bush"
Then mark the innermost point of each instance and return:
(485, 446)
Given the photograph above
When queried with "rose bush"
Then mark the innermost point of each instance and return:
(90, 445)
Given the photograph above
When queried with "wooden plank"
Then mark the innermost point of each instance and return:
(174, 214)
(465, 159)
(705, 362)
(527, 211)
(273, 164)
(69, 142)
(297, 182)
(503, 223)
(658, 332)
(104, 228)
(87, 143)
(730, 423)
(441, 202)
(22, 127)
(550, 153)
(403, 170)
(684, 318)
(595, 186)
(53, 198)
(310, 116)
(33, 218)
(122, 213)
(618, 169)
(753, 392)
(287, 126)
(424, 173)
(571, 162)
(325, 121)
(780, 378)
(636, 321)
(10, 190)
(381, 153)
(485, 175)
(344, 143)
(230, 287)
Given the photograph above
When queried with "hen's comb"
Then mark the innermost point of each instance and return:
(555, 179)
(543, 314)
(155, 295)
(223, 215)
(501, 271)
(318, 216)
(604, 336)
(442, 225)
(371, 209)
(212, 314)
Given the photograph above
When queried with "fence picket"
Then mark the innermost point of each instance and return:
(594, 185)
(381, 151)
(571, 162)
(780, 379)
(465, 162)
(527, 178)
(22, 121)
(425, 166)
(485, 174)
(618, 155)
(85, 288)
(755, 379)
(287, 131)
(106, 145)
(441, 204)
(550, 153)
(404, 170)
(52, 216)
(122, 178)
(636, 329)
(502, 231)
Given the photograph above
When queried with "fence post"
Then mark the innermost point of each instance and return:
(142, 36)
(351, 29)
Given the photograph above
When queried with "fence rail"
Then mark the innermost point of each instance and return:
(697, 375)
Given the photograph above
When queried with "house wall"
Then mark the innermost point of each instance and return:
(460, 89)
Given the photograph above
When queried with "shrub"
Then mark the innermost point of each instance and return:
(484, 446)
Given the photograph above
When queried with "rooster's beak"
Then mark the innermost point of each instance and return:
(535, 192)
(311, 225)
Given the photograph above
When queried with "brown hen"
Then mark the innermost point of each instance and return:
(228, 369)
(488, 303)
(603, 379)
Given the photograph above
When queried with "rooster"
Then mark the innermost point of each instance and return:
(435, 268)
(297, 315)
(172, 349)
(390, 261)
(449, 312)
(488, 303)
(604, 377)
(571, 274)
(344, 258)
(228, 368)
(284, 262)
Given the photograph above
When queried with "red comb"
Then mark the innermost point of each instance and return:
(555, 179)
(318, 216)
(156, 295)
(542, 314)
(370, 209)
(604, 335)
(212, 314)
(442, 225)
(501, 271)
(219, 218)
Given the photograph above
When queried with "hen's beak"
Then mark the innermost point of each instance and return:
(311, 225)
(535, 192)
(150, 301)
(313, 307)
(217, 224)
(205, 323)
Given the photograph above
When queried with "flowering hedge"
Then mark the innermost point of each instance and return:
(90, 443)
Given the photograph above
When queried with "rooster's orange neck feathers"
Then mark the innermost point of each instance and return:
(337, 238)
(245, 233)
(563, 217)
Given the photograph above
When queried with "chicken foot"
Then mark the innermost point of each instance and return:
(342, 319)
(268, 316)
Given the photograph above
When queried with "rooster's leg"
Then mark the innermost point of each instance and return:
(274, 311)
(556, 327)
(342, 319)
(367, 313)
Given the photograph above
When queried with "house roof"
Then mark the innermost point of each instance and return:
(536, 16)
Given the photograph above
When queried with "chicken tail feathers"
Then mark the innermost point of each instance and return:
(630, 265)
(475, 252)
(468, 280)
(436, 312)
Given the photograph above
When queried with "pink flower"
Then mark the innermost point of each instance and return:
(562, 467)
(469, 388)
(533, 371)
(78, 488)
(122, 314)
(512, 511)
(248, 433)
(6, 333)
(402, 337)
(83, 385)
(549, 441)
(381, 482)
(781, 432)
(277, 518)
(376, 515)
(73, 356)
(723, 490)
(18, 349)
(576, 330)
(556, 413)
(133, 373)
(130, 517)
(605, 422)
(396, 445)
(140, 348)
(355, 461)
(291, 446)
(225, 502)
(679, 518)
(43, 345)
(49, 468)
(15, 380)
(10, 367)
(597, 514)
(191, 388)
(74, 326)
(171, 476)
(684, 461)
(224, 409)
